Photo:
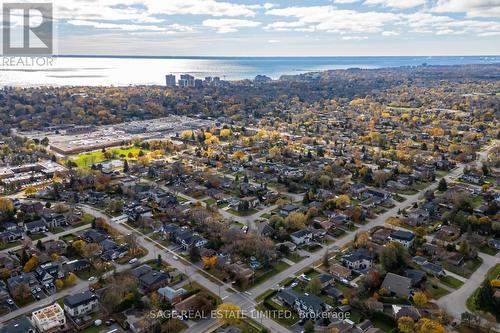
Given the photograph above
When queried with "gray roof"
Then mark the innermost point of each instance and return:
(19, 325)
(397, 284)
(80, 298)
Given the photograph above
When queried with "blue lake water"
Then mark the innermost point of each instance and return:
(120, 71)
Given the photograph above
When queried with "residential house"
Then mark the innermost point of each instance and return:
(286, 296)
(54, 220)
(416, 276)
(494, 243)
(28, 279)
(18, 325)
(309, 306)
(359, 259)
(35, 227)
(94, 236)
(287, 209)
(397, 285)
(8, 261)
(326, 279)
(81, 304)
(170, 294)
(11, 235)
(154, 280)
(406, 238)
(265, 229)
(472, 178)
(301, 237)
(433, 269)
(76, 265)
(340, 272)
(49, 319)
(399, 311)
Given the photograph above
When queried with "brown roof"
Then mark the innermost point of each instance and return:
(340, 271)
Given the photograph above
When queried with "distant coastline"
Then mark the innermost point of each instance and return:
(108, 70)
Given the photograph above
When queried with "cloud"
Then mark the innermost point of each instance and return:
(114, 26)
(330, 19)
(149, 11)
(354, 37)
(345, 1)
(390, 33)
(401, 4)
(472, 8)
(274, 41)
(229, 25)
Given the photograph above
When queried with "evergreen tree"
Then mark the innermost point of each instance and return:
(443, 186)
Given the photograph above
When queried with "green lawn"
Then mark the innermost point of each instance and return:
(4, 246)
(441, 173)
(85, 160)
(488, 250)
(261, 276)
(244, 213)
(451, 282)
(37, 236)
(94, 329)
(57, 230)
(436, 291)
(493, 273)
(210, 201)
(295, 257)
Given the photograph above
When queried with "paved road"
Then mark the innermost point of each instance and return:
(455, 302)
(50, 237)
(81, 285)
(223, 290)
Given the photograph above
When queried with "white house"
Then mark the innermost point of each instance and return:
(50, 318)
(404, 237)
(81, 304)
(302, 237)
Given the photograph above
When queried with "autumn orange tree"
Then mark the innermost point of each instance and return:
(229, 314)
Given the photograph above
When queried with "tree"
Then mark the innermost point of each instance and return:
(442, 186)
(309, 327)
(406, 324)
(295, 221)
(209, 262)
(59, 284)
(21, 292)
(30, 190)
(429, 326)
(6, 206)
(419, 298)
(228, 314)
(70, 279)
(89, 250)
(464, 247)
(125, 166)
(393, 257)
(194, 253)
(133, 245)
(342, 201)
(361, 239)
(31, 264)
(314, 286)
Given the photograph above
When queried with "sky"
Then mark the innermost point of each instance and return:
(277, 27)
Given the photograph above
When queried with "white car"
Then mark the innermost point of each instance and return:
(175, 257)
(92, 278)
(132, 261)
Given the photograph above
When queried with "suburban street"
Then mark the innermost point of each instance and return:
(247, 300)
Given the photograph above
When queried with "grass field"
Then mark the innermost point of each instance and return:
(85, 160)
(451, 282)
